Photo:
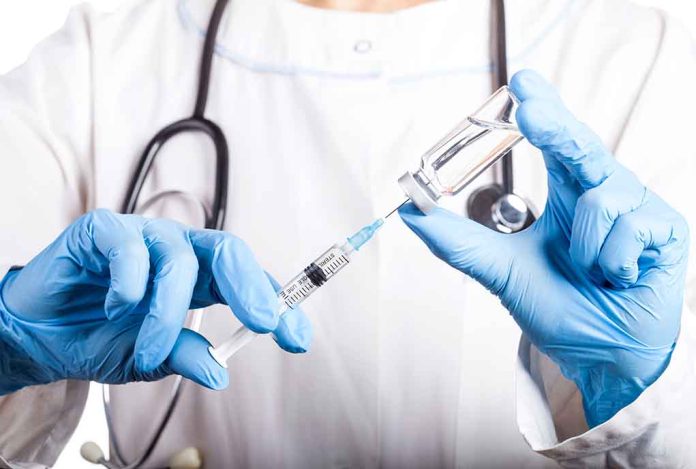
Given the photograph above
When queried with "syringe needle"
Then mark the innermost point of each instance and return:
(396, 208)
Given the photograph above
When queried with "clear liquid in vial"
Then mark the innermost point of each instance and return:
(470, 150)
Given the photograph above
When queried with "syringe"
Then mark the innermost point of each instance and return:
(303, 285)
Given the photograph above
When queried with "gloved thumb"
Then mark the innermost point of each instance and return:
(190, 358)
(479, 252)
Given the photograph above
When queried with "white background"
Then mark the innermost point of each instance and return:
(24, 23)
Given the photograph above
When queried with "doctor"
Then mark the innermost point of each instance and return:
(413, 364)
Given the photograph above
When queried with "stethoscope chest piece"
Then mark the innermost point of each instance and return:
(505, 212)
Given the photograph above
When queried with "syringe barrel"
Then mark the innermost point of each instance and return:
(292, 294)
(314, 275)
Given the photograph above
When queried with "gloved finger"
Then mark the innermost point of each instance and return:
(294, 332)
(119, 242)
(563, 194)
(652, 226)
(190, 358)
(544, 120)
(563, 189)
(595, 214)
(175, 270)
(238, 278)
(479, 252)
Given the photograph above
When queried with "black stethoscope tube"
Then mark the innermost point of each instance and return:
(195, 123)
(500, 78)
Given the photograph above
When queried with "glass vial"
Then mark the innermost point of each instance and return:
(464, 153)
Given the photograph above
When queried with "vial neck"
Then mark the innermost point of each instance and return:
(420, 189)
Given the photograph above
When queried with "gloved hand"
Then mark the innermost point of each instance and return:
(596, 283)
(108, 299)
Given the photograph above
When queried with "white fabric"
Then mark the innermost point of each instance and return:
(412, 365)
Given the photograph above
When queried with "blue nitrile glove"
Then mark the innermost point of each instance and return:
(108, 299)
(596, 283)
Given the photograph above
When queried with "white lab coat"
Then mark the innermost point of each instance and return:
(413, 365)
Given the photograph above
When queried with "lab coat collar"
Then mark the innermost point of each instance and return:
(286, 37)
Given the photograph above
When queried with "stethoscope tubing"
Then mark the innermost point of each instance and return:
(216, 220)
(498, 50)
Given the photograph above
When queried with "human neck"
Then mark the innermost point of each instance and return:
(372, 6)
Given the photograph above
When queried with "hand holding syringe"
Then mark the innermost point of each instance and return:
(303, 285)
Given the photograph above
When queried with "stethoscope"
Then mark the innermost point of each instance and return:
(494, 205)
